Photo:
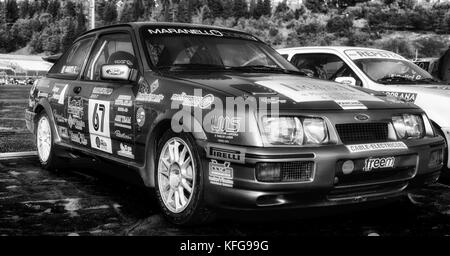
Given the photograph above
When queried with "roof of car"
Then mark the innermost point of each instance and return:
(336, 48)
(164, 24)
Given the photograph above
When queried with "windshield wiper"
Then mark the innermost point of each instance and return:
(263, 68)
(428, 80)
(192, 66)
(387, 79)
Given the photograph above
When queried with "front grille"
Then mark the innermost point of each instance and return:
(297, 171)
(362, 133)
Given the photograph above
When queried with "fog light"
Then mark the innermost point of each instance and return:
(348, 167)
(436, 158)
(268, 171)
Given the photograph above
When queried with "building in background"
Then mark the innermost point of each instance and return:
(23, 65)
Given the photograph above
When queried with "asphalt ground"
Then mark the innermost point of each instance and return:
(84, 201)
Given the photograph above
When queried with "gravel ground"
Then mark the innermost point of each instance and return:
(81, 201)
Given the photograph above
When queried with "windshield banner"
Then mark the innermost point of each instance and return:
(372, 54)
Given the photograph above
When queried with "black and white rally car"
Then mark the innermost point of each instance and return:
(213, 118)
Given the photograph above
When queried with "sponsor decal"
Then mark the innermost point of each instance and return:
(125, 151)
(98, 116)
(78, 138)
(226, 154)
(122, 109)
(140, 117)
(59, 92)
(58, 117)
(76, 123)
(121, 135)
(220, 173)
(405, 96)
(119, 71)
(101, 143)
(395, 145)
(378, 163)
(102, 91)
(369, 54)
(123, 126)
(42, 94)
(123, 119)
(63, 132)
(350, 104)
(194, 101)
(70, 70)
(317, 91)
(225, 127)
(124, 101)
(186, 31)
(145, 93)
(272, 100)
(75, 107)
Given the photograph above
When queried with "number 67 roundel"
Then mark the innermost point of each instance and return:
(99, 125)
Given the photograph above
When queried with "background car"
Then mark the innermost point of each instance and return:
(378, 70)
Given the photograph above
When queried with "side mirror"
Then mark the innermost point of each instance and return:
(348, 80)
(118, 72)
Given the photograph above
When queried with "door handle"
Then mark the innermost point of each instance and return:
(77, 89)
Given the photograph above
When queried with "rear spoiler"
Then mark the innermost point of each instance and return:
(52, 58)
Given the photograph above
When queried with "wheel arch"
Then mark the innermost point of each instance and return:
(160, 126)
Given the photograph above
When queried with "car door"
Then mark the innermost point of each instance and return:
(324, 66)
(110, 103)
(62, 78)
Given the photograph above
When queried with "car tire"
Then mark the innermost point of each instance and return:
(179, 182)
(44, 142)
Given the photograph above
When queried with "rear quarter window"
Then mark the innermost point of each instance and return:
(70, 64)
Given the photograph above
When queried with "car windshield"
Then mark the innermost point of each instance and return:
(394, 71)
(216, 50)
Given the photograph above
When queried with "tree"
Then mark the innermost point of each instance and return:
(216, 8)
(81, 20)
(183, 14)
(127, 13)
(259, 9)
(252, 8)
(68, 34)
(69, 9)
(240, 8)
(316, 5)
(110, 13)
(44, 5)
(267, 8)
(138, 9)
(24, 9)
(227, 9)
(53, 8)
(12, 11)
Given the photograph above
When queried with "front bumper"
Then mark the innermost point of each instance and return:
(446, 132)
(329, 185)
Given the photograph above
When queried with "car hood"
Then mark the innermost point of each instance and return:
(293, 91)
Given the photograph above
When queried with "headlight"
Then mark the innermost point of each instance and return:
(294, 131)
(408, 126)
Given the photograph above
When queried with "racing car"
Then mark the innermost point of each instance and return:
(214, 119)
(379, 70)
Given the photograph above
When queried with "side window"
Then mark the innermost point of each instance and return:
(71, 63)
(110, 49)
(323, 66)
